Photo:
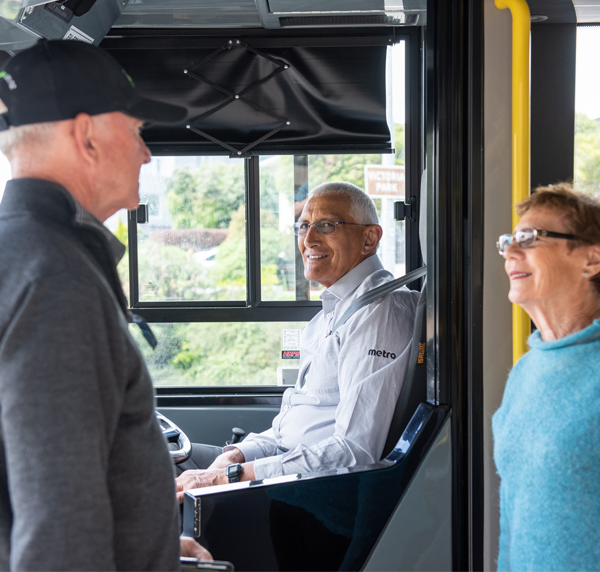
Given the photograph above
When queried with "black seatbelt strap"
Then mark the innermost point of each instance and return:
(377, 293)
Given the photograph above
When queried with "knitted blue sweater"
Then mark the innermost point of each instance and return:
(547, 451)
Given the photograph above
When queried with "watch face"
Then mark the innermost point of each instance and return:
(234, 470)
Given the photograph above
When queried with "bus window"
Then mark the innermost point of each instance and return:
(221, 353)
(4, 173)
(194, 244)
(216, 270)
(587, 110)
(285, 182)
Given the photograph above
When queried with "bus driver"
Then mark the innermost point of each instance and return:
(340, 411)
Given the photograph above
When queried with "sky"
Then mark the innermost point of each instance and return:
(587, 79)
(398, 82)
(4, 173)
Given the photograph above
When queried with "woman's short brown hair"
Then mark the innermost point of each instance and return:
(581, 213)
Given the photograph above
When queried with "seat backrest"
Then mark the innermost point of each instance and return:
(414, 385)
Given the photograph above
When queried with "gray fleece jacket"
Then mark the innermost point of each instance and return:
(85, 479)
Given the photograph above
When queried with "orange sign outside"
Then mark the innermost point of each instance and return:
(383, 181)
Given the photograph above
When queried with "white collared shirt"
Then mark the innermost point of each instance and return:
(339, 412)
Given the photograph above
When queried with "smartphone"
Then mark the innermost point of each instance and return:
(186, 563)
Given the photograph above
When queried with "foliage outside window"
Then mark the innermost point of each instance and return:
(221, 353)
(587, 153)
(587, 107)
(194, 246)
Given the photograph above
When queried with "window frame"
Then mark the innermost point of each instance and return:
(254, 309)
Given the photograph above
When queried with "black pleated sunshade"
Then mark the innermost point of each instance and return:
(250, 95)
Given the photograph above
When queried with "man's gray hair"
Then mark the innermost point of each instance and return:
(361, 205)
(33, 134)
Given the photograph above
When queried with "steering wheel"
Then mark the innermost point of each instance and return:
(174, 437)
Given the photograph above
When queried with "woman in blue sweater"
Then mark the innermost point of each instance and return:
(547, 430)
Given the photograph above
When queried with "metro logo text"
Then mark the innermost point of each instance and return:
(382, 353)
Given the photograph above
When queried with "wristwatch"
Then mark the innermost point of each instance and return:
(234, 472)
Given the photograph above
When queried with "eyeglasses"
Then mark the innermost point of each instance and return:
(526, 237)
(323, 227)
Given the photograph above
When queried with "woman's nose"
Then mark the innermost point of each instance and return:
(513, 250)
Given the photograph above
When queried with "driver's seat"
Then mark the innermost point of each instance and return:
(393, 515)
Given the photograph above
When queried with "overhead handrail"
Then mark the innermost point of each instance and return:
(521, 30)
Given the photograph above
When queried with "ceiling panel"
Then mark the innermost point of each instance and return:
(190, 14)
(587, 11)
(557, 11)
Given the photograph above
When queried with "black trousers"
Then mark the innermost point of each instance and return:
(202, 457)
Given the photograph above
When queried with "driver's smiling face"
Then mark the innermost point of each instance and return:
(328, 257)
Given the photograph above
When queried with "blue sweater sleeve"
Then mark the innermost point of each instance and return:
(503, 552)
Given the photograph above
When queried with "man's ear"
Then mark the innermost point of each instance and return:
(593, 260)
(372, 236)
(85, 138)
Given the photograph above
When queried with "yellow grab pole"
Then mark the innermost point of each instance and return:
(521, 29)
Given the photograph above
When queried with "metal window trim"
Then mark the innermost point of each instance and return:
(142, 38)
(195, 149)
(191, 304)
(454, 102)
(219, 390)
(241, 398)
(289, 304)
(413, 145)
(248, 314)
(253, 265)
(134, 288)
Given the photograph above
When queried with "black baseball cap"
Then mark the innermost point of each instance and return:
(58, 79)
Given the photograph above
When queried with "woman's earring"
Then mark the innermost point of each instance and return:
(585, 272)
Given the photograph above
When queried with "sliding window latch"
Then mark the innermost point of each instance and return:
(403, 211)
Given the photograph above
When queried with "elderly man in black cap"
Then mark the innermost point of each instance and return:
(86, 482)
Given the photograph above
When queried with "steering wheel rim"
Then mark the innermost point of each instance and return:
(172, 434)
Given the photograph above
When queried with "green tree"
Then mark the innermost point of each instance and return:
(587, 154)
(206, 197)
(181, 197)
(230, 261)
(123, 266)
(171, 339)
(222, 353)
(230, 353)
(171, 273)
(350, 168)
(399, 143)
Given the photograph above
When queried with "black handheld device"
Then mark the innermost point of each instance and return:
(188, 564)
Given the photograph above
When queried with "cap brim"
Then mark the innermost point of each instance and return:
(157, 112)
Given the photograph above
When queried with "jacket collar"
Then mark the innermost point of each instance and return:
(51, 200)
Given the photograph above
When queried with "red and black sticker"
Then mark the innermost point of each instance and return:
(290, 354)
